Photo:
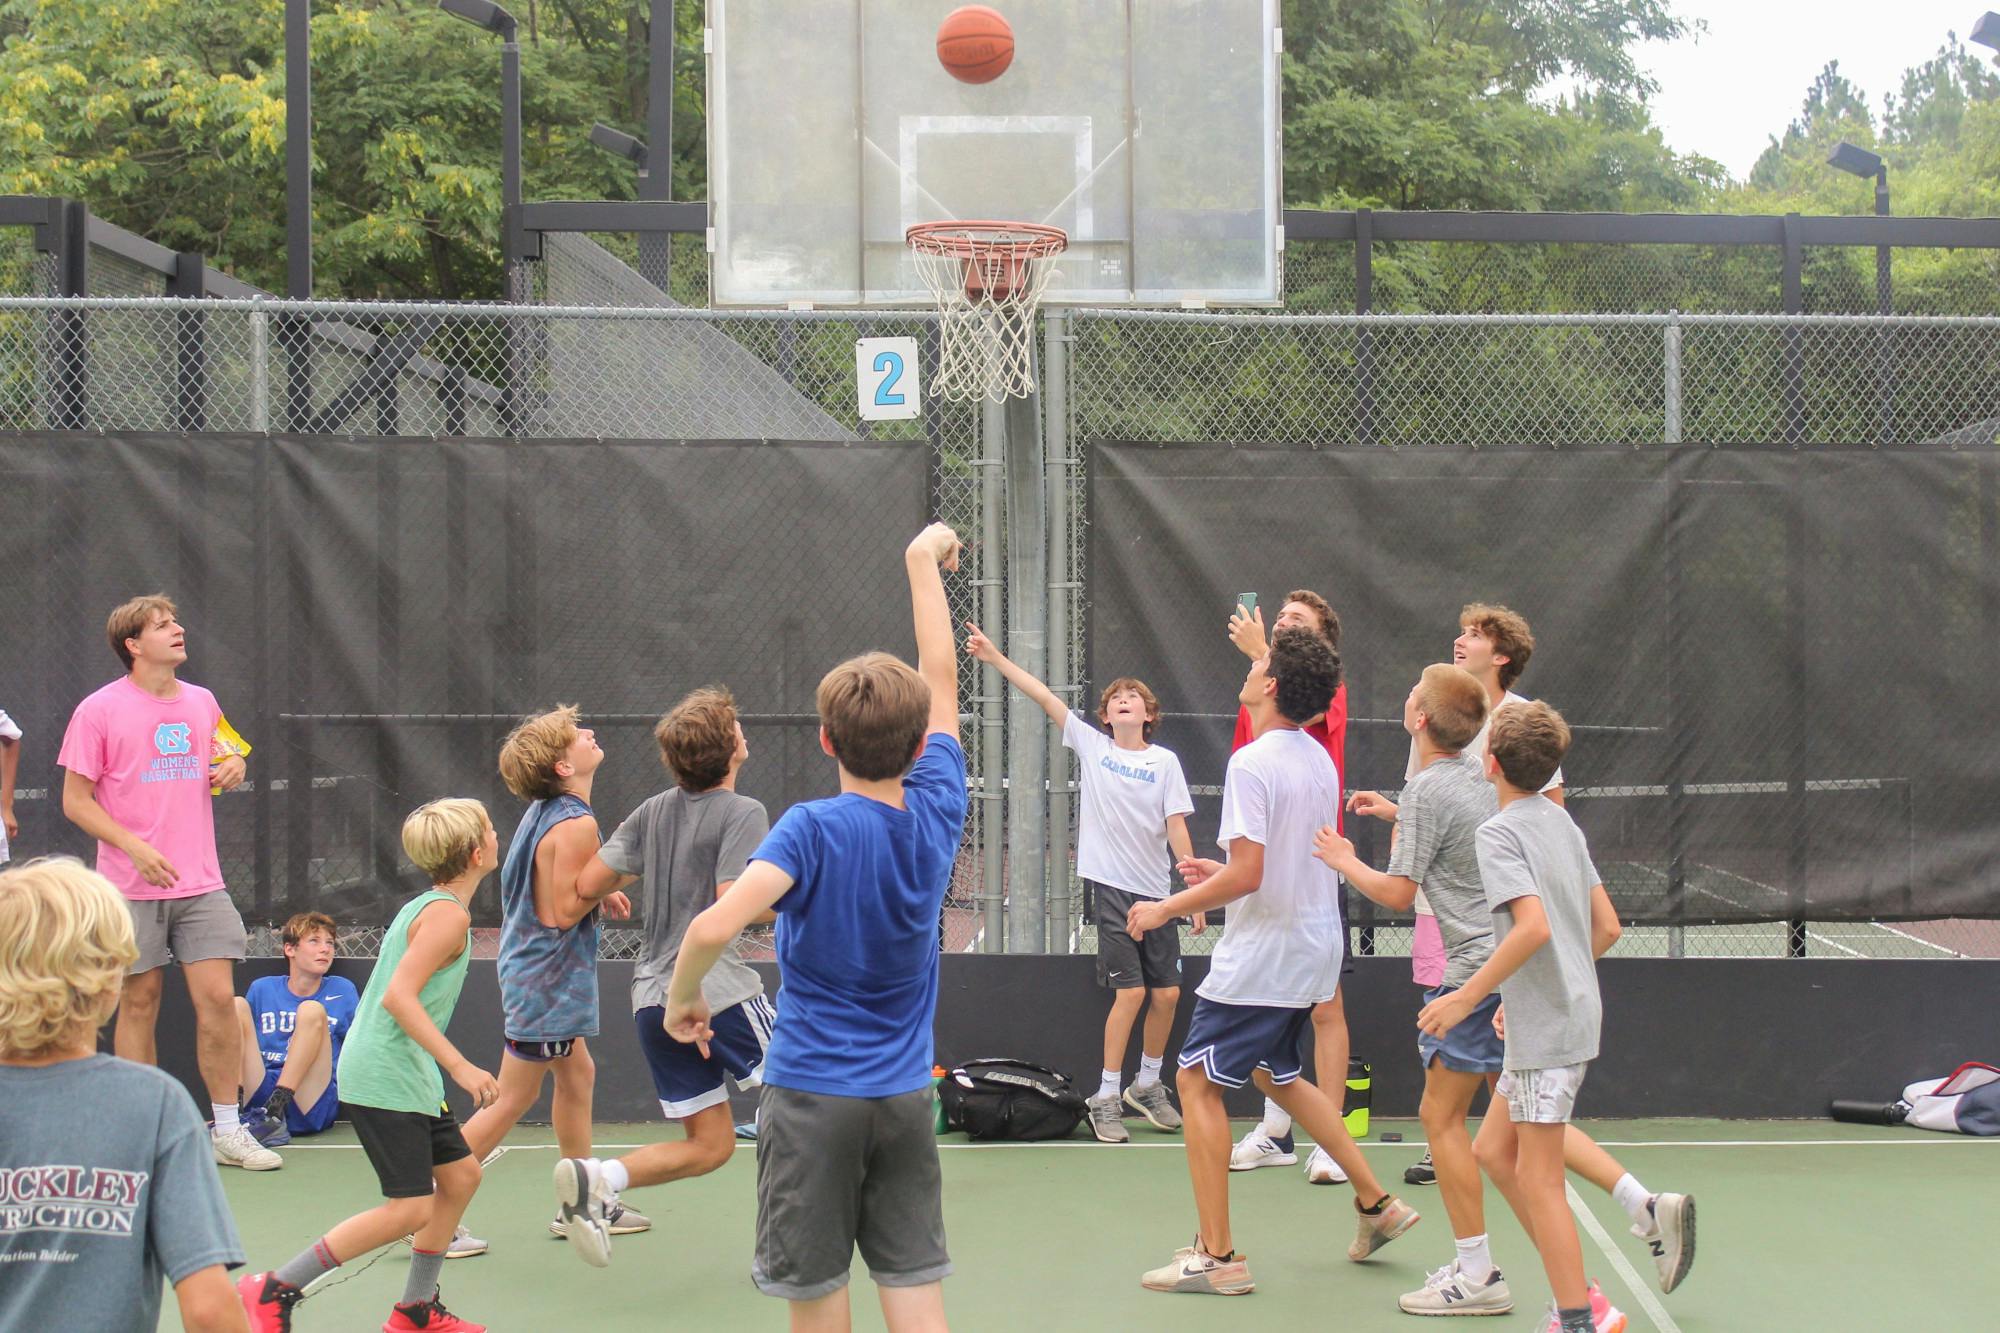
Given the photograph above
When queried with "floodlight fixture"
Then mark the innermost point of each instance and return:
(481, 13)
(1986, 30)
(1856, 161)
(619, 144)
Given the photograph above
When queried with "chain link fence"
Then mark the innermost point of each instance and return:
(630, 365)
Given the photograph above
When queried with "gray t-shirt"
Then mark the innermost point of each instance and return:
(107, 1190)
(1533, 848)
(1442, 808)
(682, 844)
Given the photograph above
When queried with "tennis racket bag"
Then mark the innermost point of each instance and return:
(1010, 1099)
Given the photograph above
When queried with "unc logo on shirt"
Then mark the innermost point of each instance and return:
(172, 738)
(1111, 765)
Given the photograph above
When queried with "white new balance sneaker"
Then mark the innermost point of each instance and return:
(1670, 1240)
(240, 1148)
(1259, 1149)
(1448, 1291)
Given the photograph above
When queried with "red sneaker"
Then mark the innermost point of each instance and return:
(428, 1317)
(268, 1302)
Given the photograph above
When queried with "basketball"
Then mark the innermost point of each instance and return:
(975, 44)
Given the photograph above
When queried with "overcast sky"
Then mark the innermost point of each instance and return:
(1725, 94)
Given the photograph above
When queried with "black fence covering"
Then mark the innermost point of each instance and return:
(374, 615)
(1778, 663)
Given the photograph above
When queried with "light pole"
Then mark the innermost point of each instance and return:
(1860, 162)
(654, 256)
(485, 14)
(298, 150)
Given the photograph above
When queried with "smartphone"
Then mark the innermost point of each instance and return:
(1248, 601)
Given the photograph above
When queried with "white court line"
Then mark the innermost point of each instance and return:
(1648, 1302)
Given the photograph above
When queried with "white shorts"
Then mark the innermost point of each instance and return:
(1542, 1096)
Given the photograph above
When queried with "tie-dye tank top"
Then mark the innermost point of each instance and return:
(548, 976)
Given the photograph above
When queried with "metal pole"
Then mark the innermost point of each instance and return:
(992, 823)
(260, 369)
(656, 178)
(510, 156)
(1885, 305)
(1027, 644)
(298, 150)
(1672, 434)
(1794, 350)
(1364, 339)
(1062, 675)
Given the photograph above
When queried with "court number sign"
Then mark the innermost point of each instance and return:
(885, 371)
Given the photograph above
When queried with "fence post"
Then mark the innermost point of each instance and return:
(1027, 644)
(1679, 741)
(69, 327)
(1062, 663)
(1794, 345)
(189, 282)
(1364, 337)
(1672, 433)
(992, 823)
(260, 367)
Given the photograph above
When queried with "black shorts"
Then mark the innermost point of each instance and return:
(1123, 963)
(403, 1146)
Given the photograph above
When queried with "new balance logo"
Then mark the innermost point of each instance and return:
(1659, 1248)
(1451, 1294)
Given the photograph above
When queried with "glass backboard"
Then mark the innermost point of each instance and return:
(1146, 129)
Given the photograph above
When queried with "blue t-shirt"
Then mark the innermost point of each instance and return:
(274, 1012)
(858, 931)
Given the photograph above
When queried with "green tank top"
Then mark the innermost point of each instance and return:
(380, 1064)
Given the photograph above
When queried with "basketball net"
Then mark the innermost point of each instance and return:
(987, 279)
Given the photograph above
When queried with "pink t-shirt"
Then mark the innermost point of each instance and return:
(149, 759)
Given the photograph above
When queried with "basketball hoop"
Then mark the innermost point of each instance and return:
(987, 279)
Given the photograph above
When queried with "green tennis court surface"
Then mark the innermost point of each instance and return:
(1802, 1225)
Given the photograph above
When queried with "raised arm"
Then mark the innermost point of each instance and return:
(934, 550)
(981, 648)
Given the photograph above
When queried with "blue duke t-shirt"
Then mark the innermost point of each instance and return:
(858, 931)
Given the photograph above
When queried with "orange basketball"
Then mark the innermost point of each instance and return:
(975, 44)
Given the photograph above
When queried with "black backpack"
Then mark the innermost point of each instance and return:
(1010, 1099)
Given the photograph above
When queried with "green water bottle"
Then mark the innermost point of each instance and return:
(1355, 1112)
(938, 1075)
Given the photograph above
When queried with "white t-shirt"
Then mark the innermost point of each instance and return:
(1128, 796)
(1476, 747)
(9, 731)
(1283, 944)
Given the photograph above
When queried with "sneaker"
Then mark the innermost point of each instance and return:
(1107, 1121)
(1197, 1273)
(1321, 1169)
(583, 1199)
(1151, 1100)
(237, 1148)
(1604, 1316)
(464, 1245)
(428, 1317)
(620, 1220)
(1259, 1149)
(1423, 1173)
(1671, 1237)
(268, 1302)
(1449, 1291)
(1377, 1229)
(267, 1129)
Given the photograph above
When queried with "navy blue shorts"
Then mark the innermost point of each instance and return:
(1473, 1047)
(1231, 1041)
(316, 1121)
(688, 1082)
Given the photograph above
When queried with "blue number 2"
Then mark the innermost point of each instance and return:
(892, 362)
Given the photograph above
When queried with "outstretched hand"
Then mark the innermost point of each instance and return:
(1197, 870)
(1246, 631)
(978, 646)
(1332, 849)
(940, 543)
(1372, 803)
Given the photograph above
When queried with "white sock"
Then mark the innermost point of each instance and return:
(1149, 1070)
(1107, 1083)
(1276, 1123)
(1633, 1198)
(226, 1118)
(616, 1176)
(1475, 1258)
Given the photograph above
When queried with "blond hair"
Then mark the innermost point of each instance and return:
(529, 755)
(874, 708)
(130, 621)
(1453, 703)
(442, 836)
(65, 943)
(1529, 742)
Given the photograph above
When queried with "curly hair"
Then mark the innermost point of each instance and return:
(65, 942)
(1307, 671)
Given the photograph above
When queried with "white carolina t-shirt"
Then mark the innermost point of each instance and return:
(1283, 944)
(1128, 796)
(1476, 747)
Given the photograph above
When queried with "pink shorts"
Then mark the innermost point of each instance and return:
(1427, 953)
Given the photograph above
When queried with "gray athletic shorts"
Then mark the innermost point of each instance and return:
(834, 1173)
(186, 930)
